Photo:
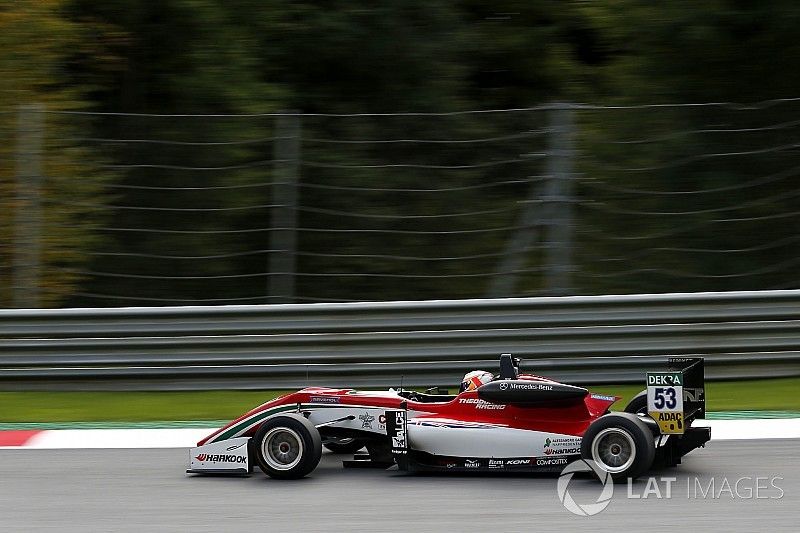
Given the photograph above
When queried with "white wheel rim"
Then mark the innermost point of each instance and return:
(282, 448)
(614, 450)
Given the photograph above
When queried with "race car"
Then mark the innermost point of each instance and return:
(512, 422)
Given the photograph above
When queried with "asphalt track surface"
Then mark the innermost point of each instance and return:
(147, 490)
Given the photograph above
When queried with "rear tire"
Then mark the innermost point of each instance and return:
(345, 446)
(638, 404)
(287, 447)
(620, 444)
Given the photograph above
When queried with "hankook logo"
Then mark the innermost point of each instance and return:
(220, 458)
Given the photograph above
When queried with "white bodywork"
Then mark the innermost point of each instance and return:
(370, 419)
(466, 439)
(226, 456)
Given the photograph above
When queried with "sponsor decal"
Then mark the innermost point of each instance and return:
(551, 461)
(694, 395)
(229, 448)
(472, 463)
(518, 462)
(602, 397)
(562, 441)
(382, 420)
(220, 458)
(562, 445)
(496, 463)
(451, 465)
(399, 437)
(667, 379)
(527, 386)
(482, 404)
(366, 420)
(325, 399)
(563, 451)
(669, 423)
(665, 397)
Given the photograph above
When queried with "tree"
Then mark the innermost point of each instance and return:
(37, 43)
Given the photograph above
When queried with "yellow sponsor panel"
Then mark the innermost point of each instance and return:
(670, 423)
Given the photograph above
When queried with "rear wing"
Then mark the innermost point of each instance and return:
(676, 396)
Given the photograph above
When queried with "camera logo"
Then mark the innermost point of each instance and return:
(585, 509)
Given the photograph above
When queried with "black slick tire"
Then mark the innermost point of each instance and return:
(638, 404)
(621, 444)
(287, 447)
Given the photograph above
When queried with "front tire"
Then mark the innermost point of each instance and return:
(620, 444)
(287, 447)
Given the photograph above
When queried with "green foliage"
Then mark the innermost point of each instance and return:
(37, 46)
(248, 56)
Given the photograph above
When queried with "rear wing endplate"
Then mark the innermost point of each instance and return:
(676, 396)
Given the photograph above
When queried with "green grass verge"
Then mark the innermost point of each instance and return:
(756, 395)
(768, 394)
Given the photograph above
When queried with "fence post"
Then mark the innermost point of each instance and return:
(27, 212)
(503, 284)
(558, 200)
(549, 208)
(283, 237)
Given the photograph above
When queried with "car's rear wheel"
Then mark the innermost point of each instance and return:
(344, 446)
(287, 447)
(638, 404)
(620, 444)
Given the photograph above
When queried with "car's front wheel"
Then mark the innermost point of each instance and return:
(620, 444)
(287, 447)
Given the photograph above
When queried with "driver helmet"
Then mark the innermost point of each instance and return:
(476, 378)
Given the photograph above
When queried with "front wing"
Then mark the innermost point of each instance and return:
(223, 457)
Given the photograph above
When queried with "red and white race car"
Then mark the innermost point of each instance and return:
(511, 422)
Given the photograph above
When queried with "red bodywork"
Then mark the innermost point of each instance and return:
(570, 418)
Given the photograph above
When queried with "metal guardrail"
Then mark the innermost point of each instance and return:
(580, 339)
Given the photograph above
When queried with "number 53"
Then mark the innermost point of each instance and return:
(665, 397)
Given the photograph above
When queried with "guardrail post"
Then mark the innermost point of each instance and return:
(558, 200)
(283, 240)
(27, 211)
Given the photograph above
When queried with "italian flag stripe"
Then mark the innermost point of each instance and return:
(243, 425)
